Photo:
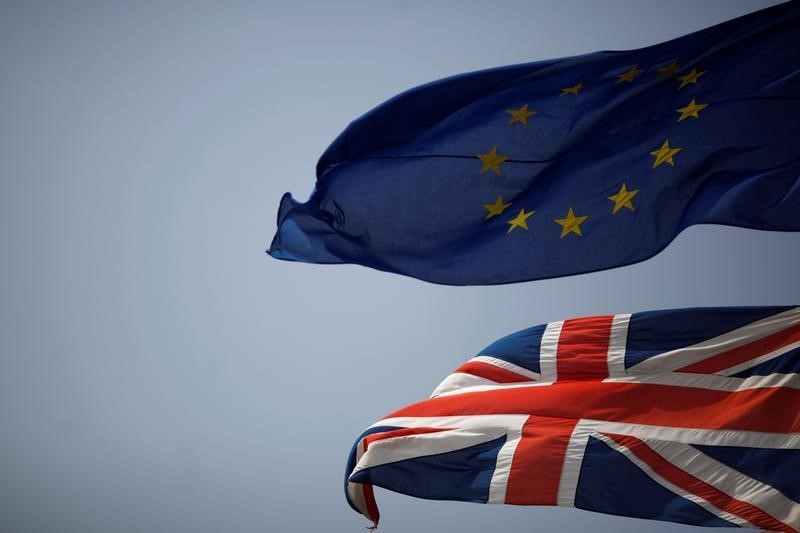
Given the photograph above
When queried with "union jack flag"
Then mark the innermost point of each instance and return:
(689, 416)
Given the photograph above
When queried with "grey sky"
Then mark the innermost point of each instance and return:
(158, 372)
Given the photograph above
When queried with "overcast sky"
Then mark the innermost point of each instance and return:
(158, 372)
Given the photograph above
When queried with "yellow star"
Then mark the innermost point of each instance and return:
(520, 221)
(492, 161)
(691, 110)
(686, 79)
(623, 198)
(628, 75)
(670, 71)
(571, 224)
(575, 89)
(664, 154)
(520, 115)
(496, 208)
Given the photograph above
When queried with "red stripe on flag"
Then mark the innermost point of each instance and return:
(402, 432)
(698, 487)
(764, 409)
(583, 348)
(754, 349)
(538, 460)
(372, 506)
(491, 372)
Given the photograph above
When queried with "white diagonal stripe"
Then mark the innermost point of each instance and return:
(702, 502)
(459, 382)
(511, 367)
(730, 481)
(708, 437)
(688, 355)
(713, 381)
(676, 379)
(758, 360)
(475, 422)
(395, 449)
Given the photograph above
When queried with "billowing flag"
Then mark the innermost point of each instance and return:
(688, 416)
(565, 166)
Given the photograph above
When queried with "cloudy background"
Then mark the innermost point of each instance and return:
(158, 372)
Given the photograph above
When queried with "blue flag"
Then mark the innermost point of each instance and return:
(564, 166)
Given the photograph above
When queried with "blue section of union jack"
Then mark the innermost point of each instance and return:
(689, 416)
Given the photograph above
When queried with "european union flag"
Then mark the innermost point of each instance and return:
(565, 166)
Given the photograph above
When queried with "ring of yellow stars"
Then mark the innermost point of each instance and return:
(691, 110)
(575, 89)
(491, 161)
(624, 198)
(669, 71)
(496, 208)
(686, 79)
(520, 115)
(664, 154)
(519, 221)
(571, 224)
(628, 75)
